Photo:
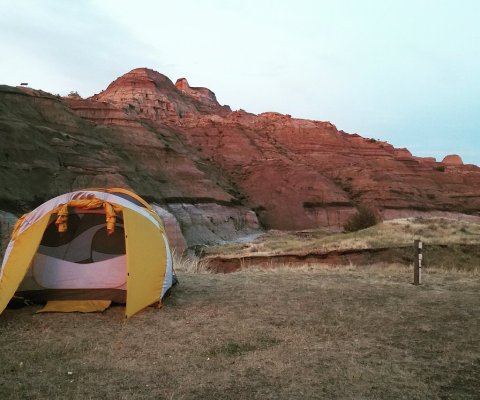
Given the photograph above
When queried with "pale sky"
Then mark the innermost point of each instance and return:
(405, 71)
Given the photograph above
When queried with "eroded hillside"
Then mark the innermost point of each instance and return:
(177, 146)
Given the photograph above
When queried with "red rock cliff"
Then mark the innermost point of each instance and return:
(298, 173)
(181, 146)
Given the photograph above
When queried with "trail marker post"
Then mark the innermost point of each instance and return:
(417, 267)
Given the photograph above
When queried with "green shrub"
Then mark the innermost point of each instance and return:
(364, 218)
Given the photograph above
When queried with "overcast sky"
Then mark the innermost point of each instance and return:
(405, 71)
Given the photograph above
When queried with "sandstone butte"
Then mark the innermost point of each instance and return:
(219, 173)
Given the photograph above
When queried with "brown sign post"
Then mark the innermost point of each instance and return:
(417, 268)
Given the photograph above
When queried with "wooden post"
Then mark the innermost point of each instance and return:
(417, 268)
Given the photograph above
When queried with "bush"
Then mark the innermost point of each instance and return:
(364, 218)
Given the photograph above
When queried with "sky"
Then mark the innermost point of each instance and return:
(407, 72)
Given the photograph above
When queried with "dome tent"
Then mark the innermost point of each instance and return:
(94, 244)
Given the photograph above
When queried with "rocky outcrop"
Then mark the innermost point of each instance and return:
(203, 95)
(48, 149)
(452, 159)
(144, 93)
(301, 174)
(211, 223)
(172, 228)
(208, 166)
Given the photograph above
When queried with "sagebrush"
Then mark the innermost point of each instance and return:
(364, 218)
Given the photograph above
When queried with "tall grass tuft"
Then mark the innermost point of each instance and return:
(364, 218)
(188, 263)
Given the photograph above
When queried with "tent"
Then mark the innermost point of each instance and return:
(93, 244)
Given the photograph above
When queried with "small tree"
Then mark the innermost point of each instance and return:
(363, 218)
(73, 93)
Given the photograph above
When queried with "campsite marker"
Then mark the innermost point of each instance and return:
(417, 268)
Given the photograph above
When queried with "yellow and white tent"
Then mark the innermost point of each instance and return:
(94, 244)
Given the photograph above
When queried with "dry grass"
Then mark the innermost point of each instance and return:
(189, 264)
(334, 333)
(394, 233)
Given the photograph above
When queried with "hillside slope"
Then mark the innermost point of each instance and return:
(48, 149)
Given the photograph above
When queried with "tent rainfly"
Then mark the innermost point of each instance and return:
(93, 244)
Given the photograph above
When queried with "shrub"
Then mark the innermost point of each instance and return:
(364, 218)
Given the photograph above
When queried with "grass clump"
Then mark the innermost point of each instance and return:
(188, 263)
(233, 349)
(236, 348)
(364, 218)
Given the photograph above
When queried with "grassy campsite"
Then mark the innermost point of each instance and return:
(239, 200)
(293, 331)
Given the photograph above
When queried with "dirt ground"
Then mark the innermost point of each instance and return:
(304, 333)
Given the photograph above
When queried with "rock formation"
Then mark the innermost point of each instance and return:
(144, 93)
(216, 170)
(203, 95)
(452, 159)
(47, 149)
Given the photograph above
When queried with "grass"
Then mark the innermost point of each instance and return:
(334, 333)
(393, 233)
